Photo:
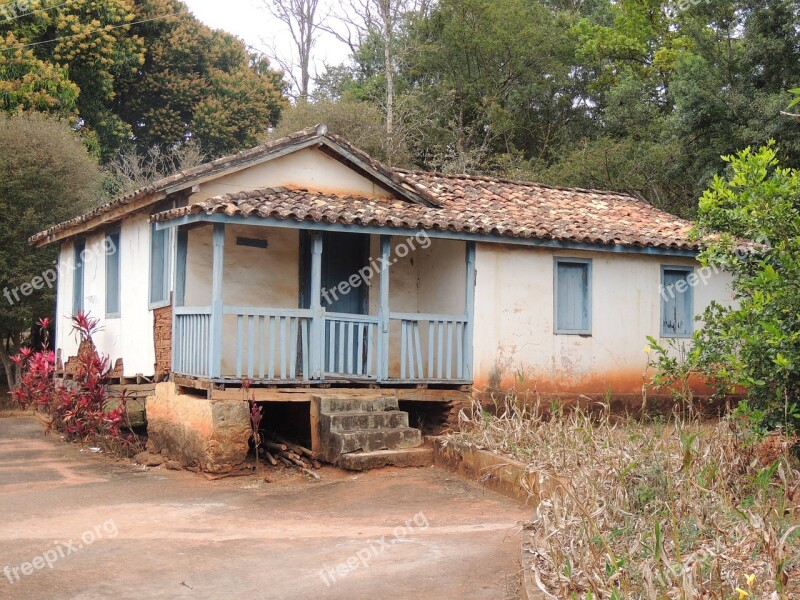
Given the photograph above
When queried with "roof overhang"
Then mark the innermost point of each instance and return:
(195, 219)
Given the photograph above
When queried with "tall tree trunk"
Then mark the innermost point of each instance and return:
(8, 364)
(388, 26)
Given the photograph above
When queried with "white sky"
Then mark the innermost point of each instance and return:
(250, 20)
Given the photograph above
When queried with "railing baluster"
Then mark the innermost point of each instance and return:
(304, 347)
(403, 349)
(283, 347)
(460, 350)
(449, 372)
(272, 341)
(360, 351)
(331, 327)
(418, 347)
(239, 343)
(341, 345)
(431, 336)
(251, 345)
(293, 348)
(368, 366)
(439, 361)
(349, 346)
(261, 361)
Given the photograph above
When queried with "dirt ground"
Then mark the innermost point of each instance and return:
(78, 525)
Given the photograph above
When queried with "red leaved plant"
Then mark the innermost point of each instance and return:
(76, 408)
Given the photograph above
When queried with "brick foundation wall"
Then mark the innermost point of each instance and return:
(162, 337)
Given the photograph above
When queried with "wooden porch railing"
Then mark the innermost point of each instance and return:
(271, 344)
(351, 346)
(432, 347)
(278, 345)
(192, 330)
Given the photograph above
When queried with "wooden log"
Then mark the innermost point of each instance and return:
(297, 448)
(286, 462)
(316, 464)
(270, 459)
(276, 447)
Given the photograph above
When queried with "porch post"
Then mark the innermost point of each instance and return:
(318, 314)
(383, 311)
(470, 311)
(215, 341)
(178, 282)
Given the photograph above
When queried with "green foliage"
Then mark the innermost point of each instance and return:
(142, 72)
(361, 123)
(750, 226)
(199, 83)
(49, 177)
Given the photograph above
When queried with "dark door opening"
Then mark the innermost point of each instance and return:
(344, 255)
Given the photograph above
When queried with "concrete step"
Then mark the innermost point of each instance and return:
(332, 404)
(370, 440)
(410, 457)
(349, 421)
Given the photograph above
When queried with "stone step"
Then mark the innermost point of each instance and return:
(332, 404)
(349, 421)
(409, 457)
(370, 440)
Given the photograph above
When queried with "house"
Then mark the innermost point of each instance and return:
(336, 284)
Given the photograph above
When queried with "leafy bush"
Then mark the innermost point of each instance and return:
(749, 224)
(76, 408)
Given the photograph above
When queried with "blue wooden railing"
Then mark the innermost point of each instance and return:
(284, 345)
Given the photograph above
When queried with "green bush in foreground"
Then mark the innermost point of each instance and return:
(749, 224)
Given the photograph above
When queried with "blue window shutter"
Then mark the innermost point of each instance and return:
(572, 296)
(113, 307)
(77, 281)
(159, 266)
(677, 303)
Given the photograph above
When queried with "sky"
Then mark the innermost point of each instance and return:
(249, 20)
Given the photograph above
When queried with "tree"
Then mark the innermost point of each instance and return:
(303, 22)
(47, 178)
(29, 83)
(91, 42)
(381, 20)
(361, 123)
(197, 84)
(749, 223)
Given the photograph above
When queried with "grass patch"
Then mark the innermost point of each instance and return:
(663, 509)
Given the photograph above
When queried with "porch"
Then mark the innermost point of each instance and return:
(281, 305)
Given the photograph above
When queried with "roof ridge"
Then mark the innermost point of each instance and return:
(523, 182)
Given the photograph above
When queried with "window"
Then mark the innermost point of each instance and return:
(677, 304)
(112, 275)
(573, 296)
(159, 267)
(77, 280)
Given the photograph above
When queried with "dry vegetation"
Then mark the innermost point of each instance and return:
(662, 509)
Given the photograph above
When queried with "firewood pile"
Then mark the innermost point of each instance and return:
(279, 451)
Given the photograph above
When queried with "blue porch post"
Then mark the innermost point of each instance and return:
(317, 342)
(383, 311)
(470, 311)
(215, 339)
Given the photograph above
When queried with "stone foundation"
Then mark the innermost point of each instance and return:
(211, 435)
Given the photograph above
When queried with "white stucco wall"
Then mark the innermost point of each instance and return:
(131, 336)
(514, 320)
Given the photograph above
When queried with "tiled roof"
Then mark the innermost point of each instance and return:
(468, 204)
